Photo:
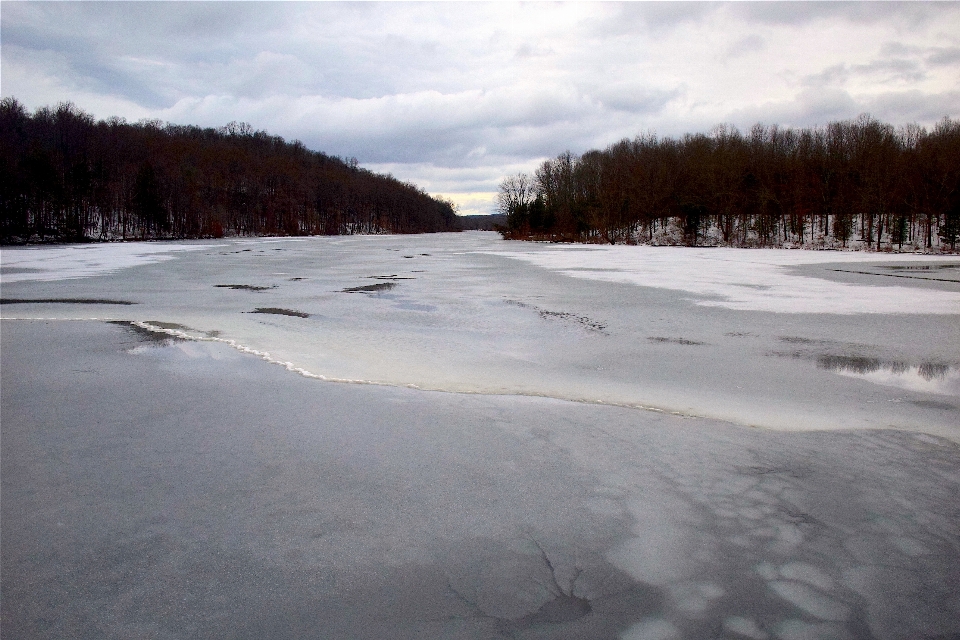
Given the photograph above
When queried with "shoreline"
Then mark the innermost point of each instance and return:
(785, 246)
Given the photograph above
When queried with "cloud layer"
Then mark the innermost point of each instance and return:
(453, 96)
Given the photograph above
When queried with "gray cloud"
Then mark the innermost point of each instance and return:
(656, 17)
(747, 44)
(795, 13)
(834, 74)
(635, 98)
(914, 106)
(456, 95)
(879, 71)
(944, 56)
(809, 107)
(893, 69)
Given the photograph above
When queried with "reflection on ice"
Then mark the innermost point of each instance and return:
(929, 371)
(926, 377)
(844, 359)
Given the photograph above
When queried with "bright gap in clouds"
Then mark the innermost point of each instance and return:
(479, 203)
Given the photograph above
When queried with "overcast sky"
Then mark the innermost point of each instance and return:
(455, 96)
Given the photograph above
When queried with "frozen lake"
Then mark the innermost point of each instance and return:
(774, 338)
(455, 436)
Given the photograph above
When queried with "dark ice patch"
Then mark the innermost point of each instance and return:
(63, 301)
(169, 325)
(683, 341)
(920, 267)
(19, 270)
(896, 275)
(149, 336)
(933, 404)
(371, 288)
(798, 340)
(245, 287)
(280, 312)
(583, 321)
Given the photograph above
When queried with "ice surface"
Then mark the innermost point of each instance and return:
(807, 573)
(175, 489)
(180, 460)
(801, 630)
(744, 627)
(654, 629)
(810, 600)
(677, 330)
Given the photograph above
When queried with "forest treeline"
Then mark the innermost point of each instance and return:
(854, 183)
(66, 177)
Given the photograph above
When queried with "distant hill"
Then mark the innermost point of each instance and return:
(482, 223)
(66, 177)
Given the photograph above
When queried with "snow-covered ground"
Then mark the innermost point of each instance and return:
(67, 262)
(757, 279)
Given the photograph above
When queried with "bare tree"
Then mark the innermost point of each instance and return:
(513, 200)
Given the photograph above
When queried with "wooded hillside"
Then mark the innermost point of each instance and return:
(65, 176)
(858, 181)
